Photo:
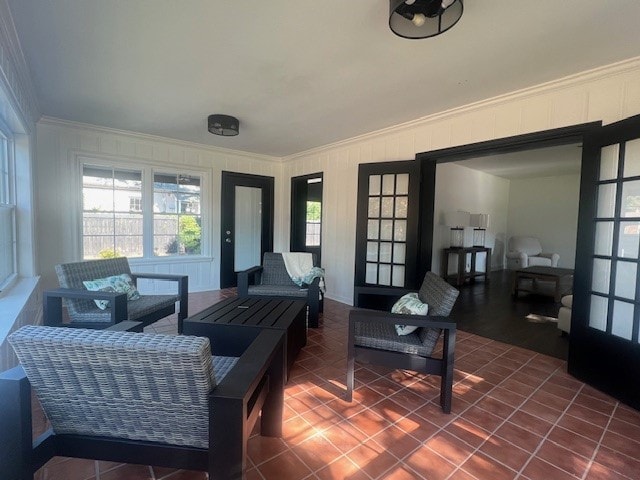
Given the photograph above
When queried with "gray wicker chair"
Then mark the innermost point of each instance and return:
(373, 338)
(272, 280)
(83, 312)
(151, 399)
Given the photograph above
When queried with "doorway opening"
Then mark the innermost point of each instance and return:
(306, 215)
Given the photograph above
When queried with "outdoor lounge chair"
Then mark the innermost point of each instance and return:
(139, 398)
(80, 302)
(373, 337)
(272, 280)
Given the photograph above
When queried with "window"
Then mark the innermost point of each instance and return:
(176, 215)
(125, 214)
(111, 228)
(313, 224)
(7, 211)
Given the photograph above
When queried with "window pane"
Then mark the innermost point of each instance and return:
(371, 275)
(400, 231)
(626, 280)
(129, 245)
(401, 207)
(598, 313)
(373, 230)
(622, 321)
(7, 246)
(606, 200)
(374, 207)
(632, 158)
(402, 184)
(398, 276)
(399, 252)
(388, 184)
(386, 228)
(604, 238)
(374, 185)
(384, 274)
(385, 252)
(609, 162)
(629, 237)
(372, 251)
(630, 199)
(601, 275)
(387, 207)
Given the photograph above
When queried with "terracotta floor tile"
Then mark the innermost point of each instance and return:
(181, 475)
(68, 469)
(468, 432)
(621, 444)
(600, 472)
(369, 422)
(507, 396)
(429, 464)
(342, 469)
(563, 458)
(408, 399)
(450, 447)
(625, 429)
(286, 466)
(396, 441)
(581, 427)
(390, 410)
(541, 411)
(317, 452)
(344, 436)
(296, 430)
(519, 436)
(417, 427)
(505, 453)
(625, 466)
(322, 417)
(531, 423)
(133, 472)
(484, 467)
(538, 469)
(517, 387)
(261, 449)
(483, 419)
(573, 441)
(496, 407)
(400, 472)
(372, 458)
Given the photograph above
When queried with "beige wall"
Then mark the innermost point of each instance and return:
(608, 94)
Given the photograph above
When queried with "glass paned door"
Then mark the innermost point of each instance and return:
(604, 344)
(387, 226)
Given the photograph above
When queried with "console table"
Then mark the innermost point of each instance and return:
(461, 253)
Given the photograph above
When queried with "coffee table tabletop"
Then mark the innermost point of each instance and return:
(553, 274)
(232, 324)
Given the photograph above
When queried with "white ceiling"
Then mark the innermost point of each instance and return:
(539, 162)
(298, 74)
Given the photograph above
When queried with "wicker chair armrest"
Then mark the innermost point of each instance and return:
(183, 290)
(364, 315)
(52, 303)
(250, 276)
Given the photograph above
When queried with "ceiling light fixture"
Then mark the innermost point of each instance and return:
(416, 19)
(224, 125)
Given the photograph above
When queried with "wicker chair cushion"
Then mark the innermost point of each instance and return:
(438, 294)
(383, 336)
(120, 384)
(278, 291)
(144, 305)
(274, 271)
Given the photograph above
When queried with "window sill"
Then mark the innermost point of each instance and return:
(13, 302)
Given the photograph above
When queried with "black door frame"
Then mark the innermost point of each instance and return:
(230, 180)
(297, 232)
(528, 141)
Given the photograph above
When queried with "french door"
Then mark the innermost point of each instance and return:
(604, 345)
(246, 223)
(387, 229)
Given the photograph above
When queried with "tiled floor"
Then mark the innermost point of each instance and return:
(516, 414)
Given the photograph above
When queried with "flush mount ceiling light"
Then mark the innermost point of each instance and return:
(224, 125)
(423, 18)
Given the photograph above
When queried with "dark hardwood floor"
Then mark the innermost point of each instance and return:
(490, 310)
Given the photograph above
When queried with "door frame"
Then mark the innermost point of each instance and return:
(528, 141)
(230, 180)
(296, 193)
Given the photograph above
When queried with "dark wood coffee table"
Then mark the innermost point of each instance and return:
(232, 324)
(548, 274)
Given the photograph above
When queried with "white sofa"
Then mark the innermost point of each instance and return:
(526, 252)
(564, 314)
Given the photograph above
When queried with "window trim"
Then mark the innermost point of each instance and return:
(9, 199)
(148, 168)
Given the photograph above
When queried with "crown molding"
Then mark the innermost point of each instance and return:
(598, 73)
(14, 72)
(58, 122)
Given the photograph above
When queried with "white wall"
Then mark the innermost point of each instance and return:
(608, 93)
(461, 188)
(547, 208)
(62, 145)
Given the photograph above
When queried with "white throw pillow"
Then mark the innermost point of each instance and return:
(409, 304)
(117, 283)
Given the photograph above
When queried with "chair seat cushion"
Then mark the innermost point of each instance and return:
(383, 336)
(278, 291)
(146, 304)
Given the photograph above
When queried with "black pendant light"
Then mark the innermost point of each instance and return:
(224, 125)
(416, 19)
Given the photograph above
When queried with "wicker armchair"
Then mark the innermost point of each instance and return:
(272, 280)
(83, 312)
(138, 398)
(373, 338)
